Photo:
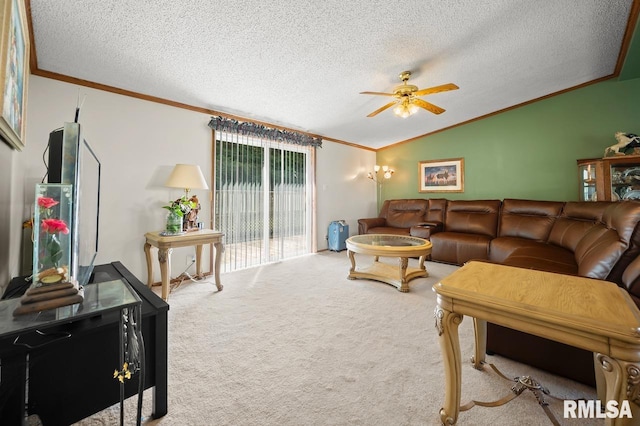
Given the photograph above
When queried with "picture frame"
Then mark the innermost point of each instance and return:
(441, 175)
(14, 71)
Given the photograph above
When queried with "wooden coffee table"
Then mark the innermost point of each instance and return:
(384, 245)
(590, 314)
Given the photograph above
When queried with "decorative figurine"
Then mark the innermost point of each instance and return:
(191, 218)
(625, 141)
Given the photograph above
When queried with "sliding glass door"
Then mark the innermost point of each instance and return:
(262, 200)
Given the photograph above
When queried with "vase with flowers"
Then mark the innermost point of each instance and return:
(178, 209)
(52, 238)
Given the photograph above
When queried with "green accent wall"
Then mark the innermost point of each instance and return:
(529, 152)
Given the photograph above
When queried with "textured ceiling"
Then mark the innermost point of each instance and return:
(301, 64)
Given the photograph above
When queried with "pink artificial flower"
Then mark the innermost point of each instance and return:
(53, 226)
(46, 202)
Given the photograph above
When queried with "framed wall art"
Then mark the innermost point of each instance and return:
(441, 175)
(14, 71)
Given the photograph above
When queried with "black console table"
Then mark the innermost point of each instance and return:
(72, 378)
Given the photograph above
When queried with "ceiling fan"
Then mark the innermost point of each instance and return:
(407, 100)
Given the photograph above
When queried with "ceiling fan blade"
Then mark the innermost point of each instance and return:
(436, 89)
(379, 110)
(429, 107)
(377, 93)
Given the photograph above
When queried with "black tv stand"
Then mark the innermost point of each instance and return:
(71, 379)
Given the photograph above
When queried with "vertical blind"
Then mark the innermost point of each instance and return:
(262, 198)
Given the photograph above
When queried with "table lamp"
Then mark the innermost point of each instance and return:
(188, 177)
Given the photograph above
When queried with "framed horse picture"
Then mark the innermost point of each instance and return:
(441, 175)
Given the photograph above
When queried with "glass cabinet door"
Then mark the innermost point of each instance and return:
(588, 175)
(625, 181)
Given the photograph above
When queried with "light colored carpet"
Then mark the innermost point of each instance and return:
(297, 343)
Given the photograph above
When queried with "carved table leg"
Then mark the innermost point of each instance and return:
(164, 257)
(198, 260)
(219, 248)
(421, 264)
(353, 264)
(480, 332)
(404, 286)
(601, 386)
(447, 325)
(147, 252)
(622, 380)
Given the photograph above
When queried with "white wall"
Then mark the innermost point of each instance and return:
(342, 188)
(10, 215)
(138, 142)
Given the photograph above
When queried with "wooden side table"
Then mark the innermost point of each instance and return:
(166, 244)
(591, 314)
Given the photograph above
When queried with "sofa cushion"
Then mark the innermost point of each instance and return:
(406, 213)
(605, 251)
(598, 251)
(436, 210)
(624, 217)
(631, 280)
(568, 232)
(544, 257)
(472, 217)
(528, 219)
(458, 248)
(575, 221)
(501, 248)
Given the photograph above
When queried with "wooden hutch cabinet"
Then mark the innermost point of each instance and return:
(609, 178)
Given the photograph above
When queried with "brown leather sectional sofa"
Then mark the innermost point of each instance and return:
(592, 239)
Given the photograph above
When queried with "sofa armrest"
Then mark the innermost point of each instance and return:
(365, 224)
(426, 229)
(631, 278)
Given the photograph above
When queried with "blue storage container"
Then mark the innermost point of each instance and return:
(338, 234)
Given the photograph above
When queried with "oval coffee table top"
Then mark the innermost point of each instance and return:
(388, 245)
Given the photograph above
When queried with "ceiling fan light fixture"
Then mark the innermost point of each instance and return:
(407, 98)
(404, 109)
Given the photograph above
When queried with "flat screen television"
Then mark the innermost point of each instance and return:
(72, 161)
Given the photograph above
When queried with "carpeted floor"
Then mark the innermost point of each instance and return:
(297, 343)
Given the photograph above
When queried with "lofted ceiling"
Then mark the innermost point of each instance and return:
(302, 64)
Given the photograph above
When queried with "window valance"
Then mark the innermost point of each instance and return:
(258, 130)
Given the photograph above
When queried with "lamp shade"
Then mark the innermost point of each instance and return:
(186, 176)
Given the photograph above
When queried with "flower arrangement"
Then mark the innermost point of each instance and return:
(51, 227)
(179, 209)
(52, 236)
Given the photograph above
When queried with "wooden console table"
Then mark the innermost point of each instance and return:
(591, 314)
(166, 244)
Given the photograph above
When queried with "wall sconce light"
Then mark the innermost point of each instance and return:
(386, 173)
